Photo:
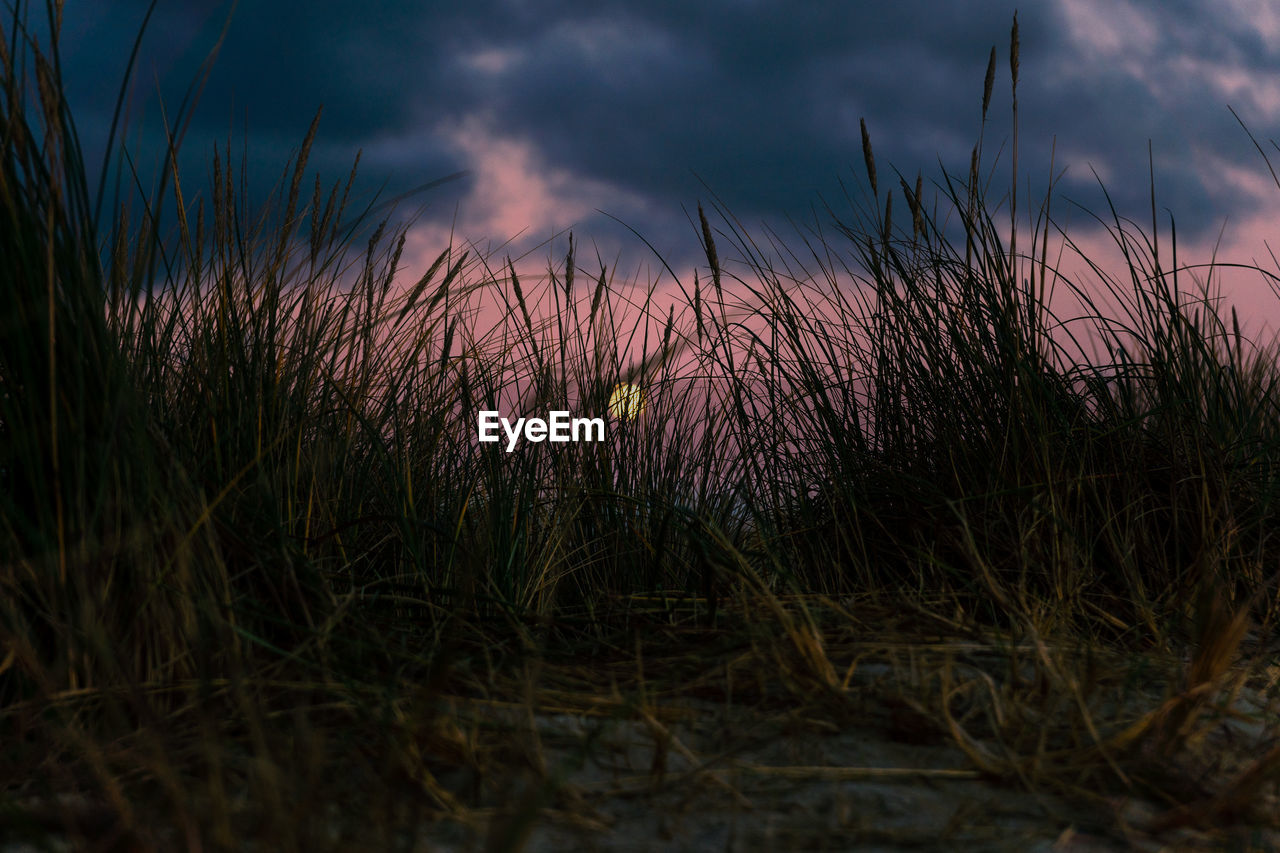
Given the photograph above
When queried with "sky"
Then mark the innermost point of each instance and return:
(605, 116)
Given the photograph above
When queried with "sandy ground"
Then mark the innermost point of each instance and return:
(867, 768)
(715, 777)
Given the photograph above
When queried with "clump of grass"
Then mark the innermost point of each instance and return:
(252, 549)
(961, 443)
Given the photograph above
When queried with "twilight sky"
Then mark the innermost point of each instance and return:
(557, 109)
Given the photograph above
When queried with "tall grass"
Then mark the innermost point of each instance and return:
(237, 465)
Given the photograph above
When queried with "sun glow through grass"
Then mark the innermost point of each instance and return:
(627, 402)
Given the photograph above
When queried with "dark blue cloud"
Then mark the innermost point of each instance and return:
(762, 100)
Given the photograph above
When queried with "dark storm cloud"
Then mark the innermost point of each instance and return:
(278, 64)
(1104, 101)
(763, 104)
(760, 99)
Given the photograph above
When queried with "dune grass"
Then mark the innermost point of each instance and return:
(252, 552)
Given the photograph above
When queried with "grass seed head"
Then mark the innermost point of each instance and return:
(868, 158)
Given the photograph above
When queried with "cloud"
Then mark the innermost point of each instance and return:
(559, 108)
(514, 192)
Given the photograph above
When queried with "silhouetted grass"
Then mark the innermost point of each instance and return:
(252, 550)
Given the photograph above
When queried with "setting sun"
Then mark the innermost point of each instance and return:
(627, 402)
